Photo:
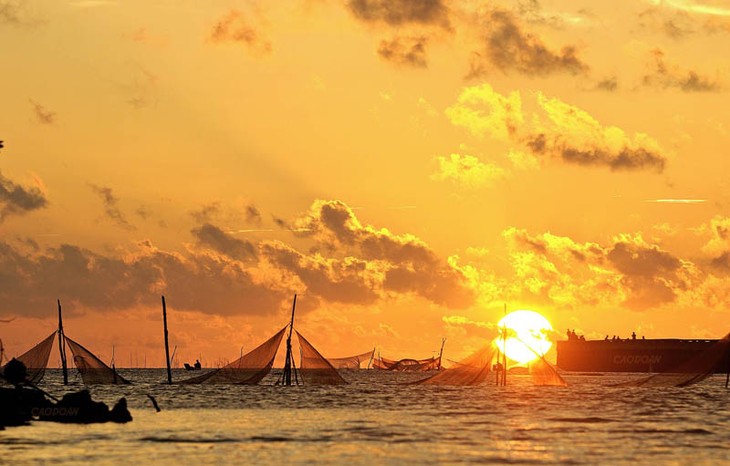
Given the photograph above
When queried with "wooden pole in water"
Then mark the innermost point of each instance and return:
(62, 345)
(727, 377)
(167, 345)
(288, 362)
(504, 353)
(441, 353)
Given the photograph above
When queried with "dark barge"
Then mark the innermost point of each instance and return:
(638, 355)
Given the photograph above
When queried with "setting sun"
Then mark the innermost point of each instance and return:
(527, 335)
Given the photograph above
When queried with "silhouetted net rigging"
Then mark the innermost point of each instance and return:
(359, 361)
(93, 370)
(543, 373)
(315, 369)
(36, 359)
(415, 365)
(474, 370)
(249, 369)
(714, 359)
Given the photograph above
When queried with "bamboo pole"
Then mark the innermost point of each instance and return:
(286, 375)
(167, 345)
(62, 344)
(441, 353)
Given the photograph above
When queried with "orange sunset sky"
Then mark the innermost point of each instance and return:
(407, 167)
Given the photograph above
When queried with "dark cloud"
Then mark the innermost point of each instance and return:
(609, 84)
(30, 283)
(565, 132)
(207, 212)
(42, 114)
(722, 262)
(252, 214)
(509, 48)
(625, 159)
(337, 280)
(653, 276)
(281, 223)
(213, 237)
(665, 75)
(111, 207)
(677, 24)
(14, 12)
(237, 27)
(410, 51)
(17, 200)
(401, 12)
(408, 264)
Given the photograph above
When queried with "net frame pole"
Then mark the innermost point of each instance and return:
(504, 353)
(62, 344)
(286, 375)
(167, 344)
(441, 353)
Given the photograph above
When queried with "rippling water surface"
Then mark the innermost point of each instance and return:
(376, 420)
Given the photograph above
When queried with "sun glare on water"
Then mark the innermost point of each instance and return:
(527, 335)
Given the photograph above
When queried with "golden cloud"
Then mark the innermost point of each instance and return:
(560, 132)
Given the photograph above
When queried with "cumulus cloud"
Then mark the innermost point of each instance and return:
(237, 27)
(213, 237)
(198, 281)
(628, 272)
(342, 261)
(111, 205)
(406, 264)
(665, 75)
(401, 12)
(348, 280)
(409, 51)
(17, 200)
(560, 132)
(467, 171)
(508, 47)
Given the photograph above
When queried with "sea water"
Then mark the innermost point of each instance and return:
(377, 419)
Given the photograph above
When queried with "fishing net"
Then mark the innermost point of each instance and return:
(36, 359)
(314, 368)
(93, 370)
(383, 363)
(543, 373)
(353, 362)
(249, 369)
(414, 365)
(474, 370)
(713, 360)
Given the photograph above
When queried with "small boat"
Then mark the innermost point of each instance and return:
(195, 367)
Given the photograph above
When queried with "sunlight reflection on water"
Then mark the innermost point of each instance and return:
(376, 421)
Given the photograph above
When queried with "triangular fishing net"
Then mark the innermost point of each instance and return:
(249, 369)
(474, 370)
(359, 361)
(712, 360)
(315, 369)
(36, 359)
(543, 373)
(93, 370)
